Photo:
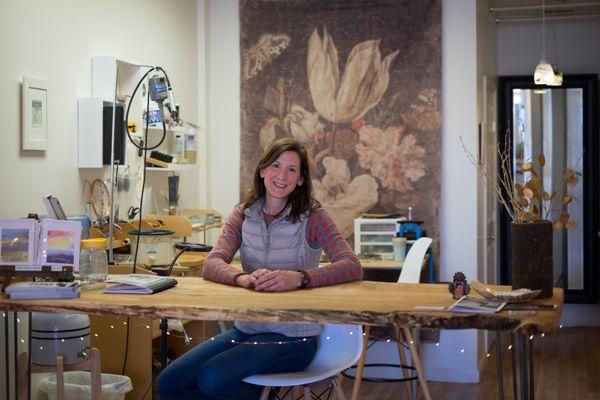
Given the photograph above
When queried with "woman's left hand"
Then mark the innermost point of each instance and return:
(278, 281)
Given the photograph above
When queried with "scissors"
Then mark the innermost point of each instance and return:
(132, 212)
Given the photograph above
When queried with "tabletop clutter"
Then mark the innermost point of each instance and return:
(64, 260)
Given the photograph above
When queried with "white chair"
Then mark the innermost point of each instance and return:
(340, 347)
(410, 273)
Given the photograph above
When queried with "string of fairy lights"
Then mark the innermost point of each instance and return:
(460, 350)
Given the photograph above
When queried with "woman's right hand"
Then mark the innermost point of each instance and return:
(245, 280)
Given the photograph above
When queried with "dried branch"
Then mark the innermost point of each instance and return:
(528, 202)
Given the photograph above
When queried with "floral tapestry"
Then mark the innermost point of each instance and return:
(358, 82)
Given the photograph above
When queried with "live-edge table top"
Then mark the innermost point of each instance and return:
(362, 302)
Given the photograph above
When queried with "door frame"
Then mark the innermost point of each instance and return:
(591, 200)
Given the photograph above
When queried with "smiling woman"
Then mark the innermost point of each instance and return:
(281, 231)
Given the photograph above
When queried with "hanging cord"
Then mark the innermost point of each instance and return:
(544, 29)
(137, 242)
(145, 149)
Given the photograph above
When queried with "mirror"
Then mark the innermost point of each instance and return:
(561, 123)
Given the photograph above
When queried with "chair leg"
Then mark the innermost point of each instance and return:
(340, 382)
(417, 363)
(265, 393)
(306, 391)
(405, 374)
(361, 363)
(339, 393)
(60, 378)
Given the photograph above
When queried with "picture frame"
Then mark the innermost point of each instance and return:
(60, 244)
(34, 114)
(18, 240)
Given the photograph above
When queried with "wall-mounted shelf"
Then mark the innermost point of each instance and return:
(173, 168)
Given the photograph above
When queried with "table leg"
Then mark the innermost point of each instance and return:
(29, 357)
(523, 367)
(531, 381)
(513, 355)
(499, 366)
(164, 326)
(6, 356)
(16, 352)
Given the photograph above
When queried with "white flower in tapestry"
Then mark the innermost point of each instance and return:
(365, 79)
(393, 157)
(342, 197)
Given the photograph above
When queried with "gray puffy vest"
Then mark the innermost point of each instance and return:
(281, 245)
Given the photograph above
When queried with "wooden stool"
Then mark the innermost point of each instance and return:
(93, 364)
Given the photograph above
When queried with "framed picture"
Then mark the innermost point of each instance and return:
(18, 241)
(34, 113)
(59, 244)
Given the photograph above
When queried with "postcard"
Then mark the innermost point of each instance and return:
(18, 241)
(60, 241)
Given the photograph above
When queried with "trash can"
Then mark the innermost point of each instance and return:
(78, 386)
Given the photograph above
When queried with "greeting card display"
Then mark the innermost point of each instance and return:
(18, 238)
(59, 244)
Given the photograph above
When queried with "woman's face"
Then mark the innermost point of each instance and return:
(282, 176)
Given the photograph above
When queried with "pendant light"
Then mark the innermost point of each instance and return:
(546, 73)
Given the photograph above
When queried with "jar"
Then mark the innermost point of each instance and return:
(93, 263)
(399, 244)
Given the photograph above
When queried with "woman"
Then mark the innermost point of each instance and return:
(280, 231)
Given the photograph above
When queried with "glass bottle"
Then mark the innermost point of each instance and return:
(93, 262)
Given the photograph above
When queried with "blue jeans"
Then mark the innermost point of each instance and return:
(215, 369)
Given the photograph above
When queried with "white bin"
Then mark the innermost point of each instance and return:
(78, 386)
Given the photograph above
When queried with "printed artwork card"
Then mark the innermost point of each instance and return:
(18, 241)
(60, 241)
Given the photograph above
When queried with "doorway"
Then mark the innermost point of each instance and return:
(561, 123)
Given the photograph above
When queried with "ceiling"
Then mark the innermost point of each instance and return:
(531, 10)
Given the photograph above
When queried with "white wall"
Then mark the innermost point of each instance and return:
(223, 104)
(55, 41)
(574, 47)
(459, 183)
(571, 45)
(458, 214)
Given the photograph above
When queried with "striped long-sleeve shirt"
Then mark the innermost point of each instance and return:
(321, 232)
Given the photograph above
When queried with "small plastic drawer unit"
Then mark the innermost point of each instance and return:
(374, 235)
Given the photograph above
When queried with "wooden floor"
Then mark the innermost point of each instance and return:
(567, 366)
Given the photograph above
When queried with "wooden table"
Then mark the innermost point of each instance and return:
(362, 302)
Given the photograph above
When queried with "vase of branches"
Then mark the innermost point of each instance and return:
(530, 208)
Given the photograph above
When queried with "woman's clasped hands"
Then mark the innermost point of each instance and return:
(265, 280)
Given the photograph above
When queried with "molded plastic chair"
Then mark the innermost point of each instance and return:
(340, 346)
(413, 262)
(410, 273)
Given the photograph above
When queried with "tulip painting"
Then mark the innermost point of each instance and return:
(358, 83)
(362, 85)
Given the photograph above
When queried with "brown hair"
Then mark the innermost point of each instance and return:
(301, 199)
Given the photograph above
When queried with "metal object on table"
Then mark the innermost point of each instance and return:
(132, 212)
